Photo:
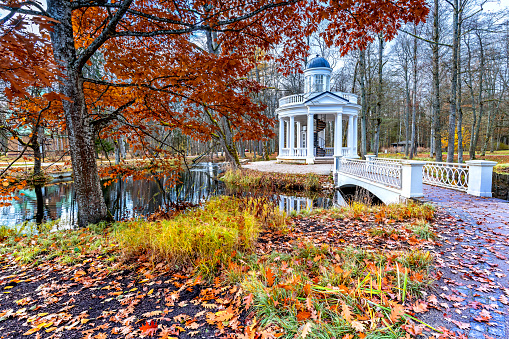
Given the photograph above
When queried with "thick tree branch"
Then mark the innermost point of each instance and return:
(113, 115)
(104, 36)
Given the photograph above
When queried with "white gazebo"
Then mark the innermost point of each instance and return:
(318, 124)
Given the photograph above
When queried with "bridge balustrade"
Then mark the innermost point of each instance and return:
(473, 177)
(388, 174)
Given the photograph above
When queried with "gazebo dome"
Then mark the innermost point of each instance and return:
(318, 61)
(317, 75)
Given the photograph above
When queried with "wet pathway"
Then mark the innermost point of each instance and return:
(472, 294)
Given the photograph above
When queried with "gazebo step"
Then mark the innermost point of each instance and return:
(324, 160)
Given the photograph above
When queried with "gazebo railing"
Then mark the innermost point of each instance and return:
(300, 98)
(300, 152)
(285, 152)
(388, 174)
(291, 99)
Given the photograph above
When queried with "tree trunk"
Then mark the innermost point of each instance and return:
(454, 82)
(458, 98)
(225, 132)
(117, 151)
(379, 95)
(122, 148)
(362, 78)
(407, 109)
(89, 196)
(477, 125)
(414, 100)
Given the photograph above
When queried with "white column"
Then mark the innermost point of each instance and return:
(281, 135)
(299, 135)
(354, 136)
(310, 159)
(338, 134)
(479, 177)
(292, 135)
(350, 135)
(287, 134)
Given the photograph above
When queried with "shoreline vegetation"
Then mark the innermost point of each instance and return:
(234, 266)
(254, 180)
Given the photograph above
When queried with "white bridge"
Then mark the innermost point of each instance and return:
(393, 180)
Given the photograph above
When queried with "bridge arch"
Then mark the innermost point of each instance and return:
(359, 194)
(387, 195)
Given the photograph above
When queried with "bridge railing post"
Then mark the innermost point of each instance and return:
(370, 160)
(337, 166)
(411, 178)
(480, 175)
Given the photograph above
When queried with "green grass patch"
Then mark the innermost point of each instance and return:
(29, 243)
(335, 292)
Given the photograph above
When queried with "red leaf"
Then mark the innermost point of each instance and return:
(270, 277)
(150, 328)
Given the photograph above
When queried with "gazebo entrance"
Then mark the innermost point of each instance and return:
(331, 134)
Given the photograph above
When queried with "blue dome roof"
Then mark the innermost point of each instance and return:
(318, 61)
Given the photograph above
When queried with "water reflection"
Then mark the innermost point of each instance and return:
(129, 198)
(290, 203)
(132, 198)
(125, 199)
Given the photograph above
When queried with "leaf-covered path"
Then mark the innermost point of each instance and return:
(473, 291)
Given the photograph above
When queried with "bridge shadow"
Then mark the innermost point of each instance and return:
(354, 193)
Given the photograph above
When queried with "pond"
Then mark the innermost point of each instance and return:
(134, 198)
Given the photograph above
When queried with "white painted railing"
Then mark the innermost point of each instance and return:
(345, 151)
(348, 96)
(384, 160)
(444, 174)
(473, 177)
(300, 98)
(388, 174)
(291, 99)
(285, 152)
(329, 151)
(300, 152)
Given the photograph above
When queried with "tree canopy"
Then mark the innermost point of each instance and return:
(139, 68)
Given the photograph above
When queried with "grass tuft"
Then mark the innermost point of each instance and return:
(207, 237)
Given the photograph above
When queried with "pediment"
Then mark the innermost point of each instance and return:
(326, 98)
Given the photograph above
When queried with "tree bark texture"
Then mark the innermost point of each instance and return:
(436, 84)
(362, 78)
(458, 97)
(378, 117)
(454, 82)
(89, 196)
(413, 142)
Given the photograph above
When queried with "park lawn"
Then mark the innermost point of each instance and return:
(235, 266)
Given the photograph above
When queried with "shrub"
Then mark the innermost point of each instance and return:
(502, 147)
